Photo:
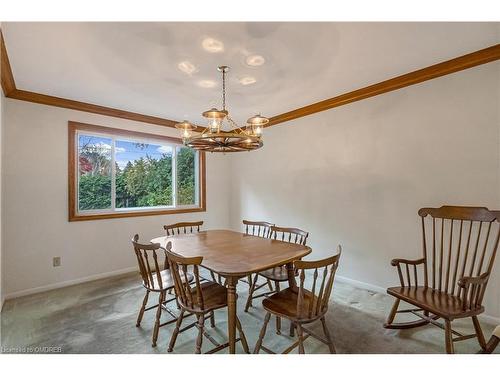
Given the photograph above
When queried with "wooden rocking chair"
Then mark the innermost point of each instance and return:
(459, 248)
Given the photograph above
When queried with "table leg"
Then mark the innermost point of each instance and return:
(291, 276)
(231, 312)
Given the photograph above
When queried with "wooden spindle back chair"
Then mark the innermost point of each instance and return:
(151, 259)
(186, 227)
(459, 246)
(276, 274)
(183, 227)
(258, 228)
(189, 297)
(307, 304)
(312, 303)
(202, 299)
(156, 277)
(292, 235)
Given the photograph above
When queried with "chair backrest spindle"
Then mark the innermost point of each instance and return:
(258, 228)
(313, 303)
(292, 235)
(461, 247)
(179, 268)
(149, 265)
(183, 227)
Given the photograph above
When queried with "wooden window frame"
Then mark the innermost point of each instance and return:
(74, 215)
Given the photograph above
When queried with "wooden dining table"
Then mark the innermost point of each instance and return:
(235, 255)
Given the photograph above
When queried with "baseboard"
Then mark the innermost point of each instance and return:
(374, 288)
(27, 292)
(361, 285)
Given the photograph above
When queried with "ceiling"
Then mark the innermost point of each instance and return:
(169, 69)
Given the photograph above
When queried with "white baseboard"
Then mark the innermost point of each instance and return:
(63, 284)
(374, 288)
(361, 285)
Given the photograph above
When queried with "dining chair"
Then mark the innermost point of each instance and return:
(183, 227)
(186, 227)
(459, 245)
(157, 278)
(201, 299)
(305, 305)
(276, 275)
(259, 229)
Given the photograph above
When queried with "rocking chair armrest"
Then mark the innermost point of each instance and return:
(395, 262)
(467, 281)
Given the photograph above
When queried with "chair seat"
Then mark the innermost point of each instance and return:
(166, 280)
(214, 296)
(439, 303)
(284, 303)
(275, 274)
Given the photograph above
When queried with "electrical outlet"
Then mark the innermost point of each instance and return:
(56, 261)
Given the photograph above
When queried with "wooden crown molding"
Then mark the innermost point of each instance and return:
(434, 71)
(8, 84)
(470, 60)
(11, 91)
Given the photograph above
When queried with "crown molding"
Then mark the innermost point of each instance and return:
(470, 60)
(55, 101)
(8, 84)
(457, 64)
(11, 91)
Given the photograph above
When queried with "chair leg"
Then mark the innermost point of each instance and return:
(328, 337)
(176, 331)
(212, 319)
(292, 329)
(392, 314)
(249, 279)
(243, 338)
(278, 319)
(448, 337)
(158, 316)
(479, 332)
(491, 345)
(262, 334)
(300, 334)
(270, 285)
(213, 276)
(201, 326)
(250, 292)
(143, 307)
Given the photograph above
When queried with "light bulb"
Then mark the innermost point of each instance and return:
(214, 125)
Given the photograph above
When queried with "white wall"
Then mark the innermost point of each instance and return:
(36, 226)
(354, 175)
(357, 174)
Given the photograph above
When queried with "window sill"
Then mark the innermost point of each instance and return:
(116, 215)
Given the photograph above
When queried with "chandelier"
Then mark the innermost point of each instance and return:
(222, 133)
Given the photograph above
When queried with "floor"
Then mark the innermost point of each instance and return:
(99, 317)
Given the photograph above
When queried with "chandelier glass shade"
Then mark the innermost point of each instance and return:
(222, 133)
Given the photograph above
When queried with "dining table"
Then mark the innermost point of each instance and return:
(236, 255)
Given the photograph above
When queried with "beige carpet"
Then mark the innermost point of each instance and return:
(99, 317)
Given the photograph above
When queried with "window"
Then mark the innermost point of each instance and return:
(120, 173)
